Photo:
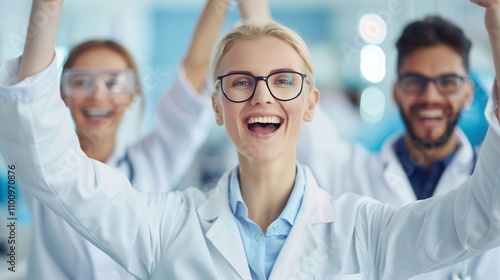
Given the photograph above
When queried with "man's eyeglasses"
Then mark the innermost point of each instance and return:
(446, 84)
(283, 85)
(81, 83)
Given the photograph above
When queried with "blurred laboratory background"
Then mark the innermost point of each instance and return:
(351, 42)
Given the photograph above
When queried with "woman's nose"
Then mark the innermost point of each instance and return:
(262, 95)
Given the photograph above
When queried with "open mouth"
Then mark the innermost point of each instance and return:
(264, 125)
(432, 114)
(97, 112)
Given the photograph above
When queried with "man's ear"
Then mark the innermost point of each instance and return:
(395, 97)
(312, 101)
(469, 93)
(218, 112)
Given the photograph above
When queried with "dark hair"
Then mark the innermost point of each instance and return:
(432, 31)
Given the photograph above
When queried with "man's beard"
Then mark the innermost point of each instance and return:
(429, 143)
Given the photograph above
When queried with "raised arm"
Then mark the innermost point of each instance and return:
(44, 152)
(197, 59)
(492, 23)
(184, 115)
(41, 37)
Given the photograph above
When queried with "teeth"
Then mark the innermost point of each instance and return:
(97, 112)
(431, 114)
(272, 119)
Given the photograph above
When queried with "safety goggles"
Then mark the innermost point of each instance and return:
(82, 83)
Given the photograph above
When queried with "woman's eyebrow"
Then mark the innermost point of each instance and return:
(251, 73)
(282, 69)
(239, 72)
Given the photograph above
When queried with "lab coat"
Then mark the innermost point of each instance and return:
(155, 163)
(193, 234)
(341, 166)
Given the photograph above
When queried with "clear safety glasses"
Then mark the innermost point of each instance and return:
(81, 83)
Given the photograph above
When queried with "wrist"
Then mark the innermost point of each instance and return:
(220, 6)
(46, 8)
(48, 2)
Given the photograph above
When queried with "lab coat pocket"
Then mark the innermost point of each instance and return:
(357, 276)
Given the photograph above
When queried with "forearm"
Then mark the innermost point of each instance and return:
(40, 37)
(197, 60)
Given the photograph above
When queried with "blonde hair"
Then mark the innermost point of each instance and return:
(251, 31)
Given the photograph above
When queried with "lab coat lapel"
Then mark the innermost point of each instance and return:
(223, 232)
(460, 167)
(303, 246)
(396, 178)
(394, 175)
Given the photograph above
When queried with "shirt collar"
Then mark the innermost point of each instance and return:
(295, 200)
(292, 207)
(236, 202)
(409, 164)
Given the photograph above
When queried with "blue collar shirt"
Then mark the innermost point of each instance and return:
(423, 180)
(262, 248)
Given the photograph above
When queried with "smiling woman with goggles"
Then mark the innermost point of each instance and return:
(81, 83)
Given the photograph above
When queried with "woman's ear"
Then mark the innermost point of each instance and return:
(64, 97)
(218, 112)
(312, 101)
(130, 100)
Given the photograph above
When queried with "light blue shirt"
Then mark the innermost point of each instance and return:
(262, 249)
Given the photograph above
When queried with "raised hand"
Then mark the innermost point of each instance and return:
(255, 10)
(48, 1)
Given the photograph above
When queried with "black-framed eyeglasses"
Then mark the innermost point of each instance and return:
(447, 84)
(283, 85)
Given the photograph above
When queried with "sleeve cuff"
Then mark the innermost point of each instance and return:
(207, 89)
(29, 89)
(183, 92)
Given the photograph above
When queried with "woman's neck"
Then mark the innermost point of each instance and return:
(265, 188)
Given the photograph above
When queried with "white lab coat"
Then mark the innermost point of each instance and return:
(155, 163)
(341, 167)
(193, 235)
